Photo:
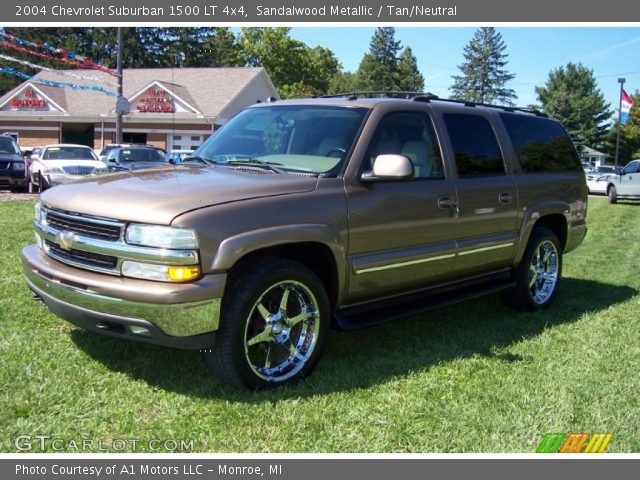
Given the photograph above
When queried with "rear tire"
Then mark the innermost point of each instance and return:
(612, 193)
(273, 327)
(538, 275)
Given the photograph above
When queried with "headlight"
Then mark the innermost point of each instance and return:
(161, 237)
(18, 166)
(52, 171)
(38, 212)
(163, 273)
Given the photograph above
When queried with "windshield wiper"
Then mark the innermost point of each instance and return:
(256, 162)
(196, 158)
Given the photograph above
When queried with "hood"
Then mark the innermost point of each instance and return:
(75, 163)
(10, 157)
(158, 196)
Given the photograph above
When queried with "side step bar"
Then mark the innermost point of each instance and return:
(382, 312)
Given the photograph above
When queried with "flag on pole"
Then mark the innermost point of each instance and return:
(626, 104)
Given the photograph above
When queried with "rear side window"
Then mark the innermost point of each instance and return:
(474, 145)
(542, 145)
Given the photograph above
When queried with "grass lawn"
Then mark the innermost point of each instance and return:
(474, 377)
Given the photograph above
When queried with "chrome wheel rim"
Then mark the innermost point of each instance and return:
(543, 272)
(281, 331)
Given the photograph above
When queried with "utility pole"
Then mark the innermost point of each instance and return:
(621, 82)
(119, 111)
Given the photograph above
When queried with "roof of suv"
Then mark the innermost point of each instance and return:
(366, 100)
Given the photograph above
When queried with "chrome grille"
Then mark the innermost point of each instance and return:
(86, 226)
(77, 170)
(97, 243)
(81, 257)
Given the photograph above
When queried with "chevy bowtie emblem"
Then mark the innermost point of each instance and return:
(66, 240)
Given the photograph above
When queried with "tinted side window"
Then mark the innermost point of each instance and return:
(542, 145)
(474, 145)
(631, 168)
(410, 134)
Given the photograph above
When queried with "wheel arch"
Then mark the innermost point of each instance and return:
(551, 215)
(315, 246)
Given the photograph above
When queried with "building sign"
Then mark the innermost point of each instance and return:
(155, 100)
(29, 100)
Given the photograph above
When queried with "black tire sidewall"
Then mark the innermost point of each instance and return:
(242, 296)
(612, 194)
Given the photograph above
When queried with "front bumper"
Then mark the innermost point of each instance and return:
(54, 179)
(174, 315)
(13, 178)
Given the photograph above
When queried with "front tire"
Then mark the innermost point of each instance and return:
(273, 327)
(538, 275)
(612, 193)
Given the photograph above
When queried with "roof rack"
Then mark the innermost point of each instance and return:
(428, 97)
(468, 103)
(379, 93)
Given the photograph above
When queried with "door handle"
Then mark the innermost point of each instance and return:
(505, 198)
(446, 203)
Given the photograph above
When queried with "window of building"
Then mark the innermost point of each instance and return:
(474, 145)
(184, 142)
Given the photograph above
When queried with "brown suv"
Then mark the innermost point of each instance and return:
(300, 214)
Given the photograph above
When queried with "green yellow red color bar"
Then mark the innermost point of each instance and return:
(574, 443)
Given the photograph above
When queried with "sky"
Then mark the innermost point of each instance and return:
(611, 52)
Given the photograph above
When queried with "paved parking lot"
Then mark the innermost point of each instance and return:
(7, 195)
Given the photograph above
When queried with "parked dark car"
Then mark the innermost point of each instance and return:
(12, 165)
(134, 158)
(112, 146)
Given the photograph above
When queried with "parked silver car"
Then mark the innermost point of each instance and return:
(62, 163)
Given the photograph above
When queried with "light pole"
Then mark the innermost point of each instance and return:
(621, 82)
(119, 109)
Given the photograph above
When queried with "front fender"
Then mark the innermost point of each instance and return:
(234, 248)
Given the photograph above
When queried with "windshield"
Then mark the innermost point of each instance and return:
(304, 138)
(69, 153)
(140, 155)
(7, 145)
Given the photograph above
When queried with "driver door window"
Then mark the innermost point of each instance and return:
(409, 134)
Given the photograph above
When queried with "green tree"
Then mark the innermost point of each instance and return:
(343, 82)
(294, 68)
(321, 66)
(378, 70)
(276, 51)
(220, 49)
(201, 47)
(571, 95)
(484, 76)
(409, 77)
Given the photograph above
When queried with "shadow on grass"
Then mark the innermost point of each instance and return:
(367, 357)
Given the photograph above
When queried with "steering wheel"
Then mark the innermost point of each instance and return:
(339, 150)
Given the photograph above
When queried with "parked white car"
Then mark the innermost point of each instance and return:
(598, 183)
(63, 163)
(627, 184)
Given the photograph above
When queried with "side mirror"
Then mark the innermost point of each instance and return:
(390, 167)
